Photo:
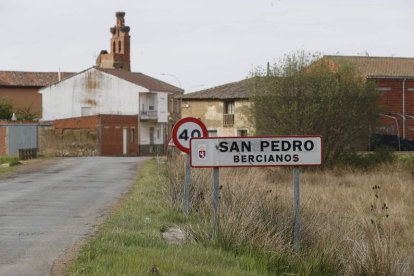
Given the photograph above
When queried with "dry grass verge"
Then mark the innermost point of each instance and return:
(358, 222)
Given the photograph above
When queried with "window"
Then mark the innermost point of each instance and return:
(114, 47)
(212, 133)
(384, 89)
(119, 47)
(229, 107)
(86, 111)
(158, 133)
(242, 132)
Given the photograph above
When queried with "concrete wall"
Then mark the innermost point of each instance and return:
(162, 102)
(211, 114)
(94, 89)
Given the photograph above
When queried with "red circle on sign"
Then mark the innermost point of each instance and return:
(180, 123)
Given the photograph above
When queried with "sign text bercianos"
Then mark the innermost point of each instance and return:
(256, 151)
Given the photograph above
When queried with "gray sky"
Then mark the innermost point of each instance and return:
(202, 43)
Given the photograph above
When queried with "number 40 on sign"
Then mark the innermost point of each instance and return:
(185, 129)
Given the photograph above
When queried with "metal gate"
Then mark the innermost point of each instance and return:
(21, 137)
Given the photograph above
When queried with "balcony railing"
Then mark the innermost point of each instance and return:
(228, 120)
(149, 115)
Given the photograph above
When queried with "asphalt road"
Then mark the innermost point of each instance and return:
(46, 210)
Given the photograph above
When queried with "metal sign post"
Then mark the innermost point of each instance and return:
(296, 205)
(215, 200)
(182, 132)
(187, 184)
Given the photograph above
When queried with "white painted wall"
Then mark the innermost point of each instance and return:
(144, 136)
(162, 101)
(102, 92)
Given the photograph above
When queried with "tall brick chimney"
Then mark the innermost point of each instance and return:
(119, 56)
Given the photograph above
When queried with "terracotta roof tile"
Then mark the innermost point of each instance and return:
(142, 80)
(233, 90)
(30, 79)
(378, 66)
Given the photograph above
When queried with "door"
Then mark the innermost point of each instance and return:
(124, 141)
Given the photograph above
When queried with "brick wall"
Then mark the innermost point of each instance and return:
(23, 98)
(3, 140)
(112, 129)
(87, 122)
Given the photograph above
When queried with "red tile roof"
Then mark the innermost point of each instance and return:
(142, 80)
(30, 79)
(378, 66)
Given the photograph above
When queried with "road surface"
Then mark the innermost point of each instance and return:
(46, 210)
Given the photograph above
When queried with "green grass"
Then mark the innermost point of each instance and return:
(13, 161)
(130, 242)
(8, 159)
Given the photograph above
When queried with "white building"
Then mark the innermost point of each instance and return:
(111, 88)
(98, 91)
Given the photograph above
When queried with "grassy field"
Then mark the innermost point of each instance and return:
(354, 222)
(130, 242)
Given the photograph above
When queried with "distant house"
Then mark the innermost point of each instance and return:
(394, 77)
(101, 91)
(110, 88)
(21, 88)
(223, 109)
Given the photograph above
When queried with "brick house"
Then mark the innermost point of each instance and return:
(21, 88)
(223, 109)
(110, 88)
(394, 78)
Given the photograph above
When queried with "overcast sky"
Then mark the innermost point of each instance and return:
(199, 43)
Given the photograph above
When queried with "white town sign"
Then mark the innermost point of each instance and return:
(256, 151)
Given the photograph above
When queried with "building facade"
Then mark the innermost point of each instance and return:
(394, 78)
(223, 109)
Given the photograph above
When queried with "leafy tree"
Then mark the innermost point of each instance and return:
(303, 95)
(6, 109)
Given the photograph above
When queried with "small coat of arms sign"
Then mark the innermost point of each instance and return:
(202, 152)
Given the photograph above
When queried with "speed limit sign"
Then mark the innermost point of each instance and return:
(185, 129)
